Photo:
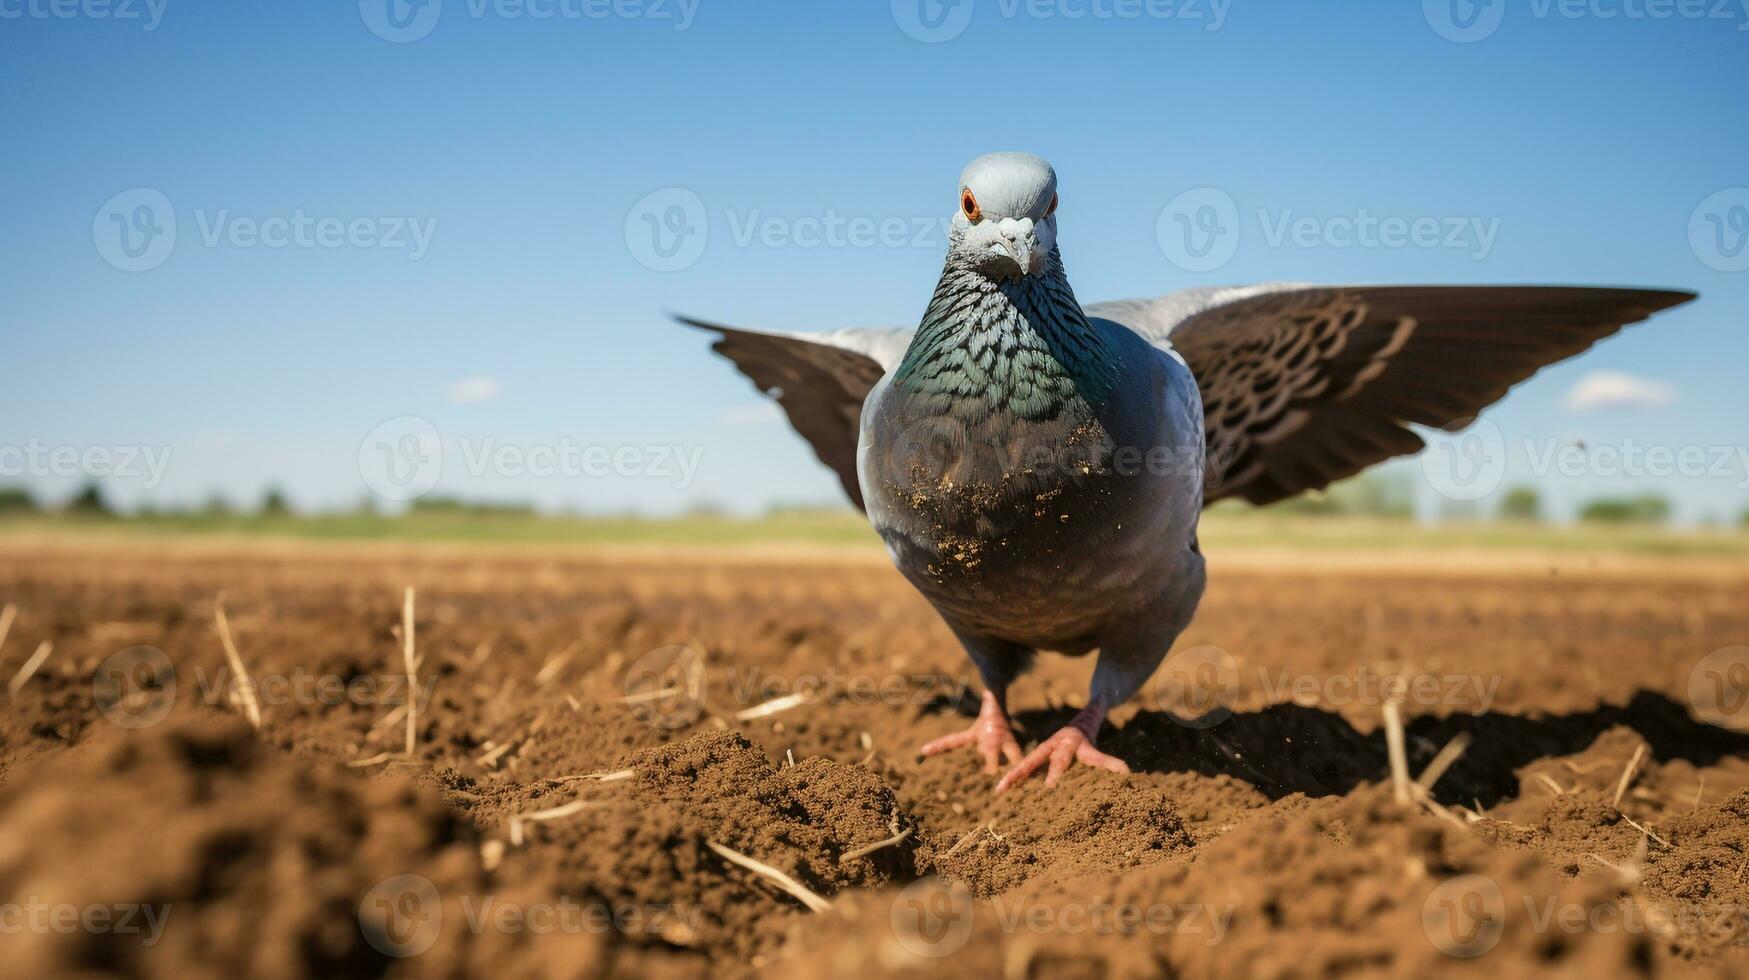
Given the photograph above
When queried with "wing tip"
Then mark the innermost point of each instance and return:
(1664, 299)
(694, 322)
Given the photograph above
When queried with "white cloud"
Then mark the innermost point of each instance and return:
(474, 390)
(754, 413)
(1615, 389)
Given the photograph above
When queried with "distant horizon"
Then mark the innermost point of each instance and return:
(1425, 508)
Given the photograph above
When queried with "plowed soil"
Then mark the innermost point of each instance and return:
(692, 765)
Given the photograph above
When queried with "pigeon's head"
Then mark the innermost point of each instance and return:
(1005, 226)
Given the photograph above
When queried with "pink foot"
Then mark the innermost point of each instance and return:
(1072, 743)
(991, 733)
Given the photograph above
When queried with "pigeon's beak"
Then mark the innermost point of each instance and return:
(1017, 244)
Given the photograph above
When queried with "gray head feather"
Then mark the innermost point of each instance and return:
(1006, 225)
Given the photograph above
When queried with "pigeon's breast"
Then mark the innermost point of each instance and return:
(1038, 531)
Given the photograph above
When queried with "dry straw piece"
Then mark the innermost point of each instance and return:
(375, 760)
(1394, 745)
(772, 707)
(963, 841)
(867, 849)
(1642, 828)
(412, 668)
(781, 880)
(28, 671)
(1627, 775)
(1443, 761)
(541, 816)
(552, 667)
(7, 615)
(601, 777)
(245, 686)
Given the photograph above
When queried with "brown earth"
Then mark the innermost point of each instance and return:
(145, 829)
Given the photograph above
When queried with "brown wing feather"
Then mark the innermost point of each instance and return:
(1305, 386)
(821, 388)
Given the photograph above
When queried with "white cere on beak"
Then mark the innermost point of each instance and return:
(1018, 242)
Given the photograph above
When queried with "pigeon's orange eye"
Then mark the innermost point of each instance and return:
(969, 205)
(1053, 208)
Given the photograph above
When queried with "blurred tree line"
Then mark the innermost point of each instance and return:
(1378, 494)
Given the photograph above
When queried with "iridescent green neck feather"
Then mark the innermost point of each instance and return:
(1019, 345)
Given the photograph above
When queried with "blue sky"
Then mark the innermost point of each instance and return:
(474, 253)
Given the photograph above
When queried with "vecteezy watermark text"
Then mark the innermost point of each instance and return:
(1468, 21)
(1470, 462)
(405, 21)
(404, 457)
(149, 13)
(1465, 916)
(136, 688)
(1198, 687)
(667, 229)
(934, 918)
(752, 686)
(1200, 230)
(35, 458)
(403, 916)
(136, 230)
(37, 917)
(303, 230)
(935, 21)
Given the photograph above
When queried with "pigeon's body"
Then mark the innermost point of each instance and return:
(1036, 469)
(1015, 428)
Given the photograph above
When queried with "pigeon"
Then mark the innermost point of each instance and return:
(1036, 467)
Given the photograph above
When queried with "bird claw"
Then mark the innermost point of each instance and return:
(1069, 744)
(991, 733)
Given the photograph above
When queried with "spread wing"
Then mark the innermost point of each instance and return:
(1302, 386)
(820, 380)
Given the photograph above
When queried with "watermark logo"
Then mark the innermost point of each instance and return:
(667, 229)
(1468, 464)
(930, 452)
(401, 21)
(401, 916)
(665, 687)
(933, 21)
(1464, 21)
(932, 918)
(135, 231)
(401, 459)
(1198, 230)
(1198, 686)
(1718, 688)
(135, 687)
(1465, 916)
(1718, 230)
(404, 457)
